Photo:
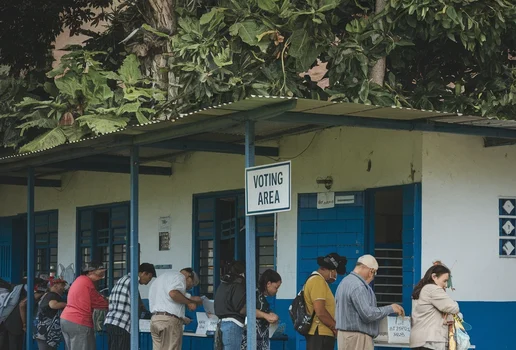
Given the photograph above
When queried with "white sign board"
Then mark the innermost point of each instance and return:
(267, 189)
(206, 323)
(325, 200)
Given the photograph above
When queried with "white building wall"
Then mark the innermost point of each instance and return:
(462, 181)
(394, 158)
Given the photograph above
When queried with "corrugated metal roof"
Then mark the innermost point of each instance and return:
(270, 127)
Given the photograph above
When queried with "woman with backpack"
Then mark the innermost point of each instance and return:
(268, 286)
(48, 330)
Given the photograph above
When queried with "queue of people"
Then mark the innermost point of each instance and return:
(350, 318)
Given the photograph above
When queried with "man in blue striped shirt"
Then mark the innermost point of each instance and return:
(357, 314)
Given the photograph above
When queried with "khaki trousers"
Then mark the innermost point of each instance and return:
(354, 341)
(166, 332)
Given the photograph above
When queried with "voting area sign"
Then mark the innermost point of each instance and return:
(267, 189)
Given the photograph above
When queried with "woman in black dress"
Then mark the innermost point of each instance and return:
(268, 285)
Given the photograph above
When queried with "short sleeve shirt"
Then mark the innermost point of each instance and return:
(159, 297)
(316, 288)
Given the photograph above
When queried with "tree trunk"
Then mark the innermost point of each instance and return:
(162, 15)
(377, 74)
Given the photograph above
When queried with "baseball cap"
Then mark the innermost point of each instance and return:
(369, 261)
(333, 261)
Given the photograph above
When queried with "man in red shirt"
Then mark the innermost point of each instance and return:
(77, 317)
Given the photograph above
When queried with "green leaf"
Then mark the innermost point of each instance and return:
(130, 70)
(129, 108)
(248, 31)
(103, 124)
(141, 118)
(52, 138)
(327, 5)
(300, 43)
(42, 122)
(207, 17)
(268, 5)
(69, 85)
(74, 132)
(364, 90)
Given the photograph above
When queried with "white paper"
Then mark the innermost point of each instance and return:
(272, 329)
(145, 326)
(209, 305)
(398, 329)
(206, 324)
(325, 200)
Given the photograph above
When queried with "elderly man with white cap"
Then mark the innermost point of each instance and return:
(357, 314)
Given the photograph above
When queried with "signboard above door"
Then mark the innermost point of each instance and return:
(268, 189)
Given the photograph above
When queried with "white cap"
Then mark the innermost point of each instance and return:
(369, 261)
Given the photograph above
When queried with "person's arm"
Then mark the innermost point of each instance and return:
(97, 300)
(269, 317)
(442, 301)
(368, 313)
(56, 305)
(180, 298)
(23, 313)
(316, 289)
(322, 314)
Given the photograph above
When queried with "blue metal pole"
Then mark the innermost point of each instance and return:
(134, 249)
(250, 237)
(30, 257)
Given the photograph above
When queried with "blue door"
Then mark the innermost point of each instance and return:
(321, 231)
(5, 248)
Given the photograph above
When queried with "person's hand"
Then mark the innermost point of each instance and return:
(192, 306)
(187, 320)
(272, 317)
(196, 300)
(398, 309)
(24, 327)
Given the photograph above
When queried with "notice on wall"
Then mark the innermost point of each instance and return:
(165, 227)
(325, 200)
(145, 326)
(268, 189)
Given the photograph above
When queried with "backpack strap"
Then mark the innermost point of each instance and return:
(312, 275)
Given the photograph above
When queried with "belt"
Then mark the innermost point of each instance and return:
(164, 313)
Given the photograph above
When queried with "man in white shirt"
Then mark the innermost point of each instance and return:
(167, 299)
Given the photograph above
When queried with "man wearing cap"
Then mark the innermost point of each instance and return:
(320, 301)
(358, 316)
(118, 318)
(168, 299)
(77, 317)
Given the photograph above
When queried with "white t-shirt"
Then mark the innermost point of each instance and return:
(159, 298)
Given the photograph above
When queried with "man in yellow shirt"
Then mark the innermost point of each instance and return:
(320, 301)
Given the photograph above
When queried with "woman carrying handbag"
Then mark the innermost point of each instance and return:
(432, 311)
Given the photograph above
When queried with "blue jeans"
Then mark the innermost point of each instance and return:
(231, 335)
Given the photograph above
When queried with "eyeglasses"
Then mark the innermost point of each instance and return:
(375, 272)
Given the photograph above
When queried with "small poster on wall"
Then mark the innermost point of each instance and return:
(325, 200)
(165, 226)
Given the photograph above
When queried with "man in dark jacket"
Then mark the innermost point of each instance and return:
(230, 306)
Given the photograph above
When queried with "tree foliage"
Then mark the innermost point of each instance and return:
(452, 55)
(81, 99)
(29, 27)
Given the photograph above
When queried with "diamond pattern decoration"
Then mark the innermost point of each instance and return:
(508, 227)
(508, 248)
(508, 206)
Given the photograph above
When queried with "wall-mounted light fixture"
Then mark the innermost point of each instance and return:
(327, 182)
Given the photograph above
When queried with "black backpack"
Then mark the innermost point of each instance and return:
(300, 318)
